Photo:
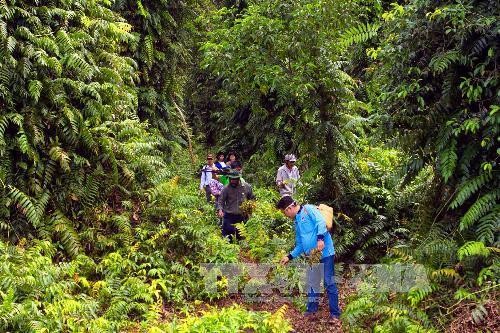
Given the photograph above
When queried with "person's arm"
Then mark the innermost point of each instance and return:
(250, 195)
(279, 179)
(297, 251)
(215, 173)
(222, 199)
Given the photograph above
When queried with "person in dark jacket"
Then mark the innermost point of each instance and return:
(230, 200)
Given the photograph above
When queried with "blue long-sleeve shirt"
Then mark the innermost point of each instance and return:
(310, 226)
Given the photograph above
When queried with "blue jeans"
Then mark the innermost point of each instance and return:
(313, 278)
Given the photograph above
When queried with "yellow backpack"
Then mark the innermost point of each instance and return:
(327, 213)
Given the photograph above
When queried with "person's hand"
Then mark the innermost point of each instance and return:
(220, 212)
(320, 245)
(284, 260)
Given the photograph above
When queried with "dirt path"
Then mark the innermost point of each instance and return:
(318, 324)
(301, 324)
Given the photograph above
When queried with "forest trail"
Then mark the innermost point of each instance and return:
(301, 324)
(320, 323)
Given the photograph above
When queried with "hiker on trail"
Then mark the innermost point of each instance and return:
(288, 176)
(311, 233)
(236, 165)
(220, 164)
(231, 157)
(216, 188)
(207, 173)
(230, 200)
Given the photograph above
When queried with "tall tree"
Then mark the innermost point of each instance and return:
(283, 87)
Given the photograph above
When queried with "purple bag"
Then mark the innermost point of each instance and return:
(216, 187)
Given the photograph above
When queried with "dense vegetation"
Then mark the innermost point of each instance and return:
(392, 108)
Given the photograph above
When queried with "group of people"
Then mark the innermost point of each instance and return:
(223, 179)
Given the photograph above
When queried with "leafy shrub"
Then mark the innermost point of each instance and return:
(234, 319)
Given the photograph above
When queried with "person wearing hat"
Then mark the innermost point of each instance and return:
(311, 234)
(230, 200)
(207, 173)
(238, 166)
(288, 176)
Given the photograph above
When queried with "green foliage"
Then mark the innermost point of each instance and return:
(380, 311)
(162, 53)
(358, 34)
(473, 249)
(66, 89)
(376, 222)
(38, 295)
(267, 231)
(432, 81)
(468, 188)
(279, 73)
(88, 122)
(234, 319)
(440, 92)
(482, 206)
(141, 267)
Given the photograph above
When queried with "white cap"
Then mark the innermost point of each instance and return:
(290, 157)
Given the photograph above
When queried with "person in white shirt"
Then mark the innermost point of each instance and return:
(207, 173)
(287, 177)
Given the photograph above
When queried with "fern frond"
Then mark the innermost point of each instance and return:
(468, 188)
(473, 248)
(489, 226)
(122, 222)
(441, 62)
(64, 42)
(35, 88)
(59, 155)
(359, 34)
(67, 233)
(149, 50)
(26, 205)
(448, 273)
(419, 293)
(448, 160)
(480, 208)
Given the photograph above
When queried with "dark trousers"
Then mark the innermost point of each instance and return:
(228, 228)
(330, 286)
(208, 193)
